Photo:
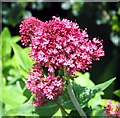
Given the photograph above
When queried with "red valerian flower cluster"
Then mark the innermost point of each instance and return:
(112, 109)
(57, 43)
(45, 88)
(54, 44)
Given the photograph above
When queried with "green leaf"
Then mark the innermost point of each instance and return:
(11, 62)
(27, 110)
(117, 93)
(84, 94)
(23, 110)
(15, 39)
(93, 103)
(11, 97)
(48, 109)
(104, 85)
(58, 113)
(84, 80)
(22, 58)
(5, 39)
(99, 112)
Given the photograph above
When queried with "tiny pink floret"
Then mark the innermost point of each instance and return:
(112, 109)
(45, 88)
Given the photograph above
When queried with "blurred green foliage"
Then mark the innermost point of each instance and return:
(15, 12)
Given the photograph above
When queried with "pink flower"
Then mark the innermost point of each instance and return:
(57, 43)
(118, 113)
(45, 89)
(27, 29)
(112, 109)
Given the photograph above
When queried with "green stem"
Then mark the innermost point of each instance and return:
(73, 97)
(74, 100)
(64, 71)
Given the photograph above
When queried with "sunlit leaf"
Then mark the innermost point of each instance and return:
(84, 80)
(22, 110)
(11, 97)
(15, 39)
(1, 110)
(104, 85)
(94, 102)
(22, 58)
(83, 95)
(58, 113)
(5, 39)
(3, 82)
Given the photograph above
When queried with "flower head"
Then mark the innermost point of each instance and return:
(27, 29)
(57, 43)
(45, 88)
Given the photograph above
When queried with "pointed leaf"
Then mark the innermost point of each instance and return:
(83, 94)
(22, 58)
(48, 109)
(94, 102)
(104, 85)
(117, 93)
(58, 113)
